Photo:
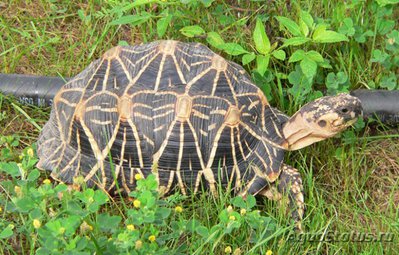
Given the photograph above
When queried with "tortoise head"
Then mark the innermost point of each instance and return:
(321, 119)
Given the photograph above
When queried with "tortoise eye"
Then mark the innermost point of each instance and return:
(322, 123)
(344, 110)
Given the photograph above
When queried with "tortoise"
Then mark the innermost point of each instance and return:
(183, 113)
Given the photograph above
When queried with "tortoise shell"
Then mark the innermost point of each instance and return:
(176, 110)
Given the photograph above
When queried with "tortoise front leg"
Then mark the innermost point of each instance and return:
(289, 183)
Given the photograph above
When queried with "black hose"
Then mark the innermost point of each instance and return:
(380, 104)
(40, 91)
(31, 89)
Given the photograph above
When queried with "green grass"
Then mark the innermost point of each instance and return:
(351, 181)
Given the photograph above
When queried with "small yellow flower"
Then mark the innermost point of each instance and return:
(18, 190)
(21, 156)
(1, 209)
(178, 209)
(30, 152)
(62, 230)
(130, 227)
(269, 252)
(232, 217)
(237, 251)
(36, 223)
(227, 250)
(85, 227)
(138, 244)
(243, 211)
(152, 238)
(46, 181)
(78, 180)
(138, 177)
(230, 209)
(136, 203)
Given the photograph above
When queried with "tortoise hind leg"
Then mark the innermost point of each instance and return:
(290, 184)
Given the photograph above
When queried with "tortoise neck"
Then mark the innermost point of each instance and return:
(298, 133)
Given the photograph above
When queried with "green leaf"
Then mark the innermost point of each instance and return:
(378, 56)
(319, 29)
(100, 197)
(321, 35)
(384, 26)
(251, 201)
(214, 39)
(309, 67)
(33, 175)
(347, 27)
(202, 231)
(325, 64)
(162, 25)
(224, 216)
(301, 84)
(191, 31)
(315, 56)
(307, 18)
(55, 227)
(86, 196)
(295, 41)
(25, 204)
(342, 77)
(304, 28)
(149, 217)
(361, 37)
(264, 82)
(290, 25)
(382, 3)
(10, 168)
(279, 54)
(332, 81)
(262, 62)
(233, 49)
(7, 232)
(108, 223)
(248, 203)
(238, 202)
(262, 43)
(132, 20)
(392, 42)
(193, 224)
(137, 3)
(297, 56)
(207, 3)
(389, 82)
(81, 15)
(36, 213)
(71, 223)
(163, 213)
(248, 58)
(147, 198)
(123, 43)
